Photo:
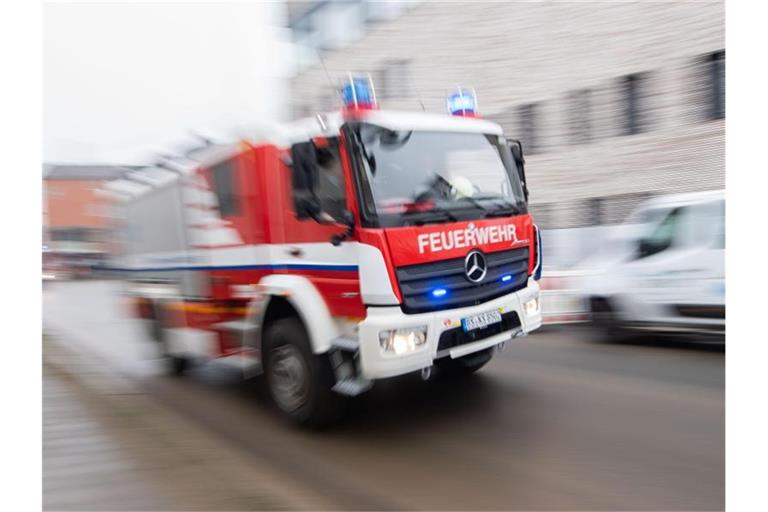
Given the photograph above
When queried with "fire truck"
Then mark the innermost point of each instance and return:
(337, 250)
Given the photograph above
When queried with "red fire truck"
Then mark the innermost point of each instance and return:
(336, 251)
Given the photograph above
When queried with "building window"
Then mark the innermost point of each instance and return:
(633, 98)
(717, 85)
(579, 117)
(326, 102)
(223, 183)
(392, 80)
(527, 120)
(595, 211)
(303, 111)
(69, 235)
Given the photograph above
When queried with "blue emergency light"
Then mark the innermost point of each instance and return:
(462, 102)
(358, 92)
(439, 292)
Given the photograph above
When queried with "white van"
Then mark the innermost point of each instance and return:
(668, 273)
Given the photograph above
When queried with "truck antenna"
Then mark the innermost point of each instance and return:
(327, 75)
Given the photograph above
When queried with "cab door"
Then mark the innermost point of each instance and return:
(307, 232)
(678, 268)
(700, 287)
(648, 273)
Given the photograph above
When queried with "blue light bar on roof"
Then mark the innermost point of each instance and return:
(462, 102)
(358, 92)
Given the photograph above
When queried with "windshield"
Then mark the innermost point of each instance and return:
(414, 176)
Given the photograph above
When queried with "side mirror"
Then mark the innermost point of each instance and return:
(516, 148)
(349, 221)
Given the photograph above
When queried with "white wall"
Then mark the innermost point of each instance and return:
(581, 247)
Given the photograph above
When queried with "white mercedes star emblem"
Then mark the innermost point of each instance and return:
(475, 266)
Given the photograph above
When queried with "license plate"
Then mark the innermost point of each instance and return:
(480, 320)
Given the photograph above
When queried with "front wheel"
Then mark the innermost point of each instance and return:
(464, 365)
(299, 381)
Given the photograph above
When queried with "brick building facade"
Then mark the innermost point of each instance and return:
(76, 215)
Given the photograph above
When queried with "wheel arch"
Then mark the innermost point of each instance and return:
(296, 296)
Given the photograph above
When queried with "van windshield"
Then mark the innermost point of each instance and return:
(413, 176)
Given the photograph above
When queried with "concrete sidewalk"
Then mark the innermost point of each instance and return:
(108, 446)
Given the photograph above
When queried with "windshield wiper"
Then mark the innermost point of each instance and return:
(447, 213)
(475, 202)
(436, 213)
(504, 211)
(507, 208)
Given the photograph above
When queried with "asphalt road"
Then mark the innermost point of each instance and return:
(556, 421)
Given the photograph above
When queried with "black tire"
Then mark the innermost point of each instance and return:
(176, 366)
(299, 382)
(466, 365)
(607, 327)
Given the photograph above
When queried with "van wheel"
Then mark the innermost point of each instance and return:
(299, 381)
(605, 323)
(464, 365)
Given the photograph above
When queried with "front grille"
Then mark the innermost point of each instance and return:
(456, 336)
(418, 281)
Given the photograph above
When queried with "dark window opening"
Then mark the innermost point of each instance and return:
(326, 102)
(595, 211)
(526, 115)
(70, 235)
(579, 116)
(303, 111)
(717, 85)
(632, 96)
(224, 187)
(392, 80)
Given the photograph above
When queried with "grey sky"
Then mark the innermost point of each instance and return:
(122, 80)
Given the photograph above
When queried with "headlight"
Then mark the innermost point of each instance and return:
(402, 341)
(532, 307)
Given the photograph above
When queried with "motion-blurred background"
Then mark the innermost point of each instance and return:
(614, 103)
(620, 107)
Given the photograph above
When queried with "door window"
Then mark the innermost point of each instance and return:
(719, 225)
(223, 176)
(663, 236)
(707, 229)
(330, 183)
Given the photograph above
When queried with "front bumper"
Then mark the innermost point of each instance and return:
(375, 364)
